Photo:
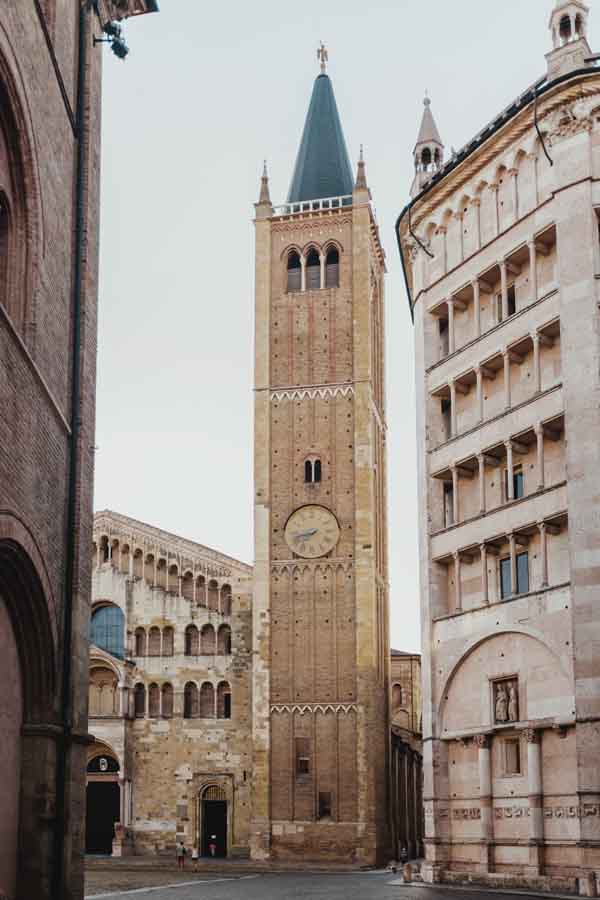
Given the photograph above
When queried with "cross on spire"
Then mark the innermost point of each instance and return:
(323, 57)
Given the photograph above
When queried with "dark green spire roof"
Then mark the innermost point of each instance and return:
(322, 167)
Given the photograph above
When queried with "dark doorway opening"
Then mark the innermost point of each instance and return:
(102, 811)
(214, 830)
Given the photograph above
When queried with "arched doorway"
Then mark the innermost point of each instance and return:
(213, 841)
(11, 718)
(103, 803)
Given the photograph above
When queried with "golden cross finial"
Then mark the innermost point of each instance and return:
(323, 56)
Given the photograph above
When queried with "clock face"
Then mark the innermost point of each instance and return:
(312, 531)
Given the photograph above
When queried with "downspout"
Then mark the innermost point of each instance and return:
(65, 740)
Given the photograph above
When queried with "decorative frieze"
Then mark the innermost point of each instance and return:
(322, 392)
(312, 708)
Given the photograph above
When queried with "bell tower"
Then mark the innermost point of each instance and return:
(429, 150)
(320, 726)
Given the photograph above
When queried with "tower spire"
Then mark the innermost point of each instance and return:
(361, 177)
(264, 207)
(429, 149)
(568, 27)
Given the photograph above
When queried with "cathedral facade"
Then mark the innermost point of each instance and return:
(501, 256)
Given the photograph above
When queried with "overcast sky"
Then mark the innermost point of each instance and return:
(207, 92)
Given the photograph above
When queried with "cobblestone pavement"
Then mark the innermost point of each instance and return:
(280, 886)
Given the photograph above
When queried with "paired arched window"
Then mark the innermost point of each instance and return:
(140, 642)
(207, 701)
(167, 701)
(224, 641)
(312, 470)
(154, 641)
(207, 640)
(294, 272)
(139, 701)
(154, 701)
(223, 701)
(191, 641)
(332, 268)
(191, 704)
(108, 630)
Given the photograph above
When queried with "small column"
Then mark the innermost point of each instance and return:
(109, 548)
(543, 553)
(302, 273)
(98, 555)
(451, 336)
(180, 585)
(482, 741)
(510, 483)
(506, 356)
(459, 219)
(453, 417)
(537, 367)
(131, 552)
(533, 270)
(536, 798)
(476, 202)
(477, 307)
(539, 433)
(455, 504)
(479, 376)
(484, 574)
(194, 587)
(322, 259)
(504, 284)
(515, 192)
(481, 463)
(458, 603)
(494, 190)
(122, 702)
(513, 564)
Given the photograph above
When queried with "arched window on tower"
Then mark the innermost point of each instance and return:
(565, 29)
(207, 640)
(397, 698)
(154, 701)
(332, 268)
(294, 272)
(312, 470)
(191, 641)
(191, 708)
(154, 641)
(139, 701)
(426, 159)
(167, 701)
(108, 630)
(207, 701)
(226, 600)
(313, 271)
(224, 641)
(140, 642)
(167, 641)
(223, 701)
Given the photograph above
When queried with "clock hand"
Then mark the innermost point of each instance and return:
(305, 534)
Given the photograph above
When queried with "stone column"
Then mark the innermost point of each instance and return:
(477, 307)
(453, 417)
(506, 356)
(537, 366)
(98, 555)
(477, 204)
(481, 463)
(479, 376)
(533, 270)
(504, 284)
(543, 552)
(302, 273)
(515, 193)
(539, 433)
(485, 591)
(455, 503)
(322, 259)
(451, 336)
(513, 564)
(510, 482)
(482, 742)
(536, 800)
(494, 190)
(458, 598)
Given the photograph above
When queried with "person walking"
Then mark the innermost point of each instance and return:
(195, 857)
(180, 854)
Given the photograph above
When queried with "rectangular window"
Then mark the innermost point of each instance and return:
(324, 804)
(302, 756)
(512, 757)
(505, 579)
(448, 505)
(512, 299)
(447, 417)
(518, 483)
(523, 573)
(444, 338)
(499, 313)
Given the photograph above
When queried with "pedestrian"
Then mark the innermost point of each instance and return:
(180, 854)
(195, 857)
(212, 846)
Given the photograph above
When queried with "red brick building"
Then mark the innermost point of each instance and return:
(49, 185)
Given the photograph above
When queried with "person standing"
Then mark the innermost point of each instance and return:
(180, 854)
(195, 857)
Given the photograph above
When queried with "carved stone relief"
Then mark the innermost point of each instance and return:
(506, 701)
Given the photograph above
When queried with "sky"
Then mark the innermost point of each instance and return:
(208, 91)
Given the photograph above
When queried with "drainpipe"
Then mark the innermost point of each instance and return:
(65, 740)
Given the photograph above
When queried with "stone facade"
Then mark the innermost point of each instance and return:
(406, 768)
(502, 260)
(170, 693)
(321, 673)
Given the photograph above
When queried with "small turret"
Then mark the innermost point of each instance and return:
(264, 207)
(568, 26)
(429, 150)
(361, 176)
